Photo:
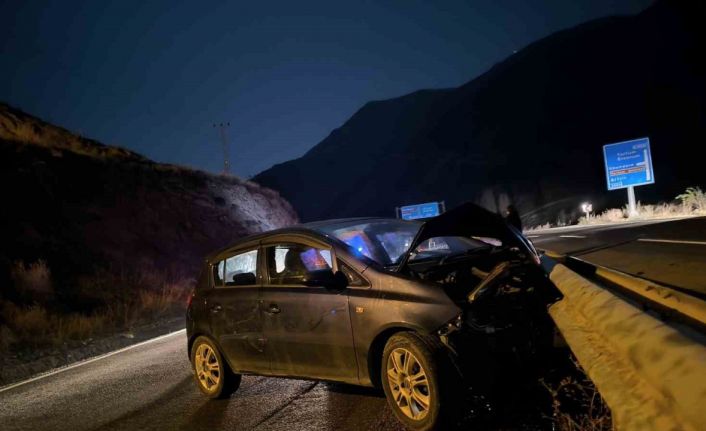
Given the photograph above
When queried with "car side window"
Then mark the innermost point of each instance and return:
(237, 270)
(292, 263)
(354, 280)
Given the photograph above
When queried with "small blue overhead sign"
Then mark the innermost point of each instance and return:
(628, 164)
(419, 211)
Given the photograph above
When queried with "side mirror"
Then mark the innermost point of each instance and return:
(326, 278)
(244, 279)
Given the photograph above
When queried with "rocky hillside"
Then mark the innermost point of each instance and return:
(83, 207)
(528, 131)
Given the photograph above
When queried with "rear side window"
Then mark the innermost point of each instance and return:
(237, 270)
(291, 264)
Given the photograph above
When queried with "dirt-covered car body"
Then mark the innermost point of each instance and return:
(331, 320)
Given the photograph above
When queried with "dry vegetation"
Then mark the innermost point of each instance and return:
(577, 405)
(688, 204)
(117, 301)
(20, 127)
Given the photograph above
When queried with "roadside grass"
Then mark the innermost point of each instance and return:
(114, 302)
(691, 203)
(577, 405)
(32, 281)
(693, 199)
(645, 212)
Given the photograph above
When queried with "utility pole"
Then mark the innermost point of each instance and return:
(224, 140)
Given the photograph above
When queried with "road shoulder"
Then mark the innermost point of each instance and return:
(24, 365)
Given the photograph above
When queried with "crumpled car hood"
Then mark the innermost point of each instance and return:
(470, 220)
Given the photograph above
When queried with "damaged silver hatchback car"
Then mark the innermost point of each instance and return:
(419, 309)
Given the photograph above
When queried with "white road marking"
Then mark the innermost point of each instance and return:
(532, 236)
(87, 361)
(672, 241)
(572, 236)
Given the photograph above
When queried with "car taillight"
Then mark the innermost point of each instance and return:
(191, 298)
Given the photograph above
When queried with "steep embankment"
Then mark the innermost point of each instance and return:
(79, 205)
(528, 131)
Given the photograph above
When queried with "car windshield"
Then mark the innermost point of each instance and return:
(385, 241)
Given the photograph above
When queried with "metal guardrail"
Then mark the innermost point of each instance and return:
(651, 373)
(671, 299)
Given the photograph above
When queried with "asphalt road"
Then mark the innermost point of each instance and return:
(671, 252)
(150, 387)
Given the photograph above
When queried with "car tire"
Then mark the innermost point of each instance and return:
(420, 404)
(212, 374)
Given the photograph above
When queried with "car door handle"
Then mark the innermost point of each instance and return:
(216, 309)
(273, 309)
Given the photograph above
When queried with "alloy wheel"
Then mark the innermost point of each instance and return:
(208, 370)
(408, 383)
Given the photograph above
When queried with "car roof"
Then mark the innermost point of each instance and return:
(304, 228)
(337, 221)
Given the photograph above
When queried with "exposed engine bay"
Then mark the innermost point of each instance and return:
(484, 272)
(504, 296)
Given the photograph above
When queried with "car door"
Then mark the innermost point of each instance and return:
(234, 308)
(307, 328)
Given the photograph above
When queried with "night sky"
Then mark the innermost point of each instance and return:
(155, 77)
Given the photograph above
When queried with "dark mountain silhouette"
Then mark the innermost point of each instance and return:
(529, 131)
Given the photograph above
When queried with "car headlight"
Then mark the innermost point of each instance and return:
(451, 326)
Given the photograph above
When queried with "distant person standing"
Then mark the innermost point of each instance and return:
(513, 217)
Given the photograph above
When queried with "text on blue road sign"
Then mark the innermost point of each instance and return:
(628, 164)
(426, 210)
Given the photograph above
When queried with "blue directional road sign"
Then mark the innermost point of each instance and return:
(418, 211)
(628, 164)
